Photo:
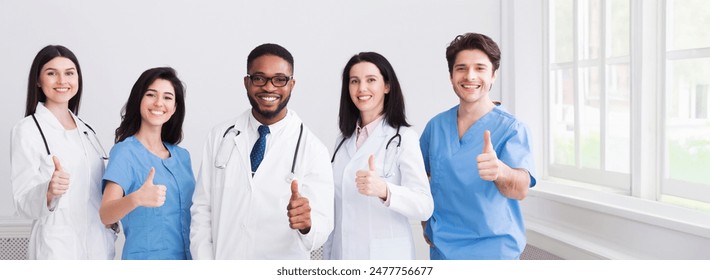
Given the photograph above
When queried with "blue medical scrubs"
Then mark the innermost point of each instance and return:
(472, 219)
(161, 232)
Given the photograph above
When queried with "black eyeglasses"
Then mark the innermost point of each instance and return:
(277, 81)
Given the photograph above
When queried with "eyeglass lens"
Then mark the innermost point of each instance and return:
(277, 81)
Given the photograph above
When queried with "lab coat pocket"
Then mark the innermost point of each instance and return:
(399, 248)
(57, 242)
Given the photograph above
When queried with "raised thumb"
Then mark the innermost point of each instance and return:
(294, 189)
(57, 165)
(487, 145)
(151, 174)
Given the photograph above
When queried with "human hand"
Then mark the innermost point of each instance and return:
(426, 238)
(150, 195)
(59, 183)
(489, 167)
(299, 210)
(369, 183)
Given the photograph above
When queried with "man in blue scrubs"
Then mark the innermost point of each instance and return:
(479, 160)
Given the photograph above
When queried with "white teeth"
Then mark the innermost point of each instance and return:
(61, 89)
(367, 97)
(471, 86)
(159, 113)
(268, 98)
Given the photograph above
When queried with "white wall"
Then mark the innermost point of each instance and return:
(207, 43)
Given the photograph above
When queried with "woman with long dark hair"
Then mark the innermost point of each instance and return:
(57, 163)
(378, 170)
(149, 180)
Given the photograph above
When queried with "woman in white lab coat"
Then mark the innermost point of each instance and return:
(378, 170)
(57, 164)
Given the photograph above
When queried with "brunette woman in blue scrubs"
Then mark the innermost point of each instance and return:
(148, 183)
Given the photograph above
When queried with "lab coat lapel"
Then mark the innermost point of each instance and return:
(80, 125)
(371, 145)
(349, 146)
(281, 143)
(47, 118)
(85, 134)
(243, 145)
(50, 123)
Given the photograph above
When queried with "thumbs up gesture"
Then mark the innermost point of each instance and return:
(489, 167)
(150, 195)
(299, 210)
(59, 183)
(369, 183)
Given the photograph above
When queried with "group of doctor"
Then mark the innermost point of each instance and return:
(258, 193)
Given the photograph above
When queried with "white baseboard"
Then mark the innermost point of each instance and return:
(561, 244)
(575, 226)
(12, 227)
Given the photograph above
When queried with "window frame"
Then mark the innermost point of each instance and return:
(614, 181)
(648, 58)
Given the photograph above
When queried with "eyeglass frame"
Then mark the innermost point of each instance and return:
(268, 79)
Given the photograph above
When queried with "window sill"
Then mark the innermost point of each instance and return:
(641, 210)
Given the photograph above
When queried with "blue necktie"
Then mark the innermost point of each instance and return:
(257, 152)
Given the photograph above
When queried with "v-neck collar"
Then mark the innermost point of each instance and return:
(469, 135)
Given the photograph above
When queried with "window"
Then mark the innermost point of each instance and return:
(686, 141)
(591, 98)
(589, 85)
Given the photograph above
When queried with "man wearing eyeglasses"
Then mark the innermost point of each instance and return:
(265, 187)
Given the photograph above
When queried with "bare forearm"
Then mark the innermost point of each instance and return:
(513, 182)
(114, 210)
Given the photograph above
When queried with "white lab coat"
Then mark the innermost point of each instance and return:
(235, 216)
(73, 230)
(365, 227)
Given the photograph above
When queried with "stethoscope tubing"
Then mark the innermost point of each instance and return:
(102, 153)
(238, 132)
(397, 135)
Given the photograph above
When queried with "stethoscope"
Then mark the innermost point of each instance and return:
(223, 156)
(386, 172)
(97, 147)
(96, 143)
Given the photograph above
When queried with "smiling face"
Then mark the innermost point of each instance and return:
(268, 101)
(158, 103)
(59, 81)
(472, 76)
(367, 89)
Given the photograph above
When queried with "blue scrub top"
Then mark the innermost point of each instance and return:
(472, 219)
(162, 232)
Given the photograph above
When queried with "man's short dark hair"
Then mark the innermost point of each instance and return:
(473, 41)
(269, 49)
